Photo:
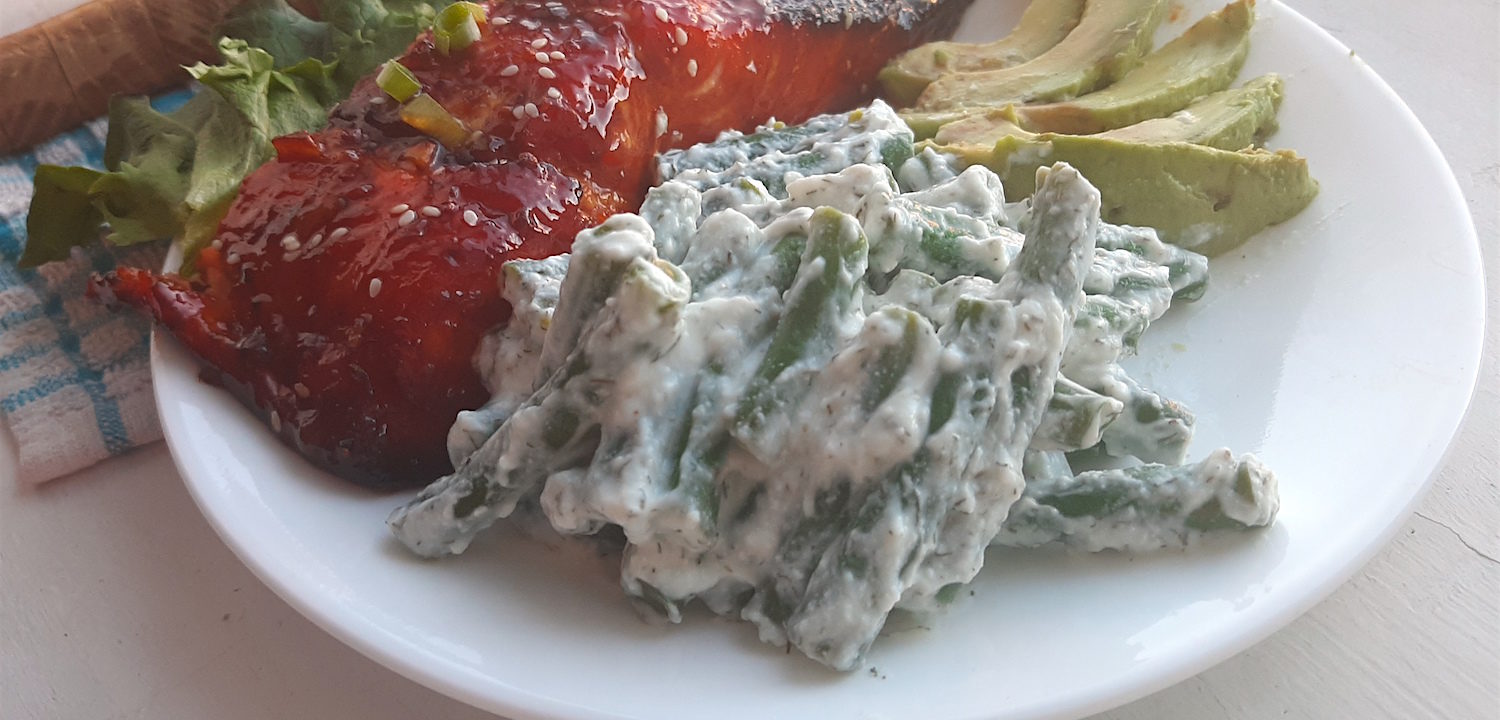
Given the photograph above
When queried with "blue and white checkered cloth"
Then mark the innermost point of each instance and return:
(75, 383)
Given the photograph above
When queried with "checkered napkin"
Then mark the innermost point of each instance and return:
(75, 385)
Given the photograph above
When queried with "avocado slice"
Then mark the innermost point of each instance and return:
(1197, 197)
(1111, 38)
(1204, 59)
(1043, 25)
(1183, 175)
(1228, 119)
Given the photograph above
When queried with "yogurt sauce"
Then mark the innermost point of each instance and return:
(803, 389)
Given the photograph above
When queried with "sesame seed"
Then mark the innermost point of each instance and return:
(532, 111)
(692, 68)
(316, 238)
(518, 111)
(751, 67)
(554, 93)
(233, 258)
(431, 211)
(500, 21)
(289, 241)
(661, 14)
(546, 72)
(377, 100)
(374, 287)
(471, 218)
(556, 55)
(217, 244)
(399, 208)
(680, 35)
(530, 24)
(539, 43)
(407, 218)
(338, 233)
(542, 57)
(301, 390)
(510, 70)
(275, 422)
(263, 297)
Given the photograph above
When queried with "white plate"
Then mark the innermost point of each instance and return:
(1341, 347)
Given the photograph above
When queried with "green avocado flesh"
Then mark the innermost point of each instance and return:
(1044, 24)
(1111, 38)
(1228, 119)
(1202, 198)
(1165, 142)
(1204, 59)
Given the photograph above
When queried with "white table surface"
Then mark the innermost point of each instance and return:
(118, 601)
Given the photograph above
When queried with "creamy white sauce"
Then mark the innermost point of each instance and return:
(834, 506)
(803, 389)
(1145, 508)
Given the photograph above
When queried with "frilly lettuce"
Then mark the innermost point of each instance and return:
(172, 175)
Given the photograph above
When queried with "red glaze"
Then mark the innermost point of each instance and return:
(358, 347)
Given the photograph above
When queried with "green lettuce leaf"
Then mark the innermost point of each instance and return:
(62, 213)
(279, 29)
(169, 175)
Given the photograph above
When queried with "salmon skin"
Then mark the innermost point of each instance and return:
(348, 286)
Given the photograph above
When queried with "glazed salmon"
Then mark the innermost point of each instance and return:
(352, 279)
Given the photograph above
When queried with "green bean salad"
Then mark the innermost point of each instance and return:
(818, 374)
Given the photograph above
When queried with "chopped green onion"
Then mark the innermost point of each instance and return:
(457, 26)
(426, 115)
(397, 81)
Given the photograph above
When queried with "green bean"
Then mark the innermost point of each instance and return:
(893, 361)
(511, 351)
(1044, 465)
(1075, 418)
(908, 289)
(1053, 256)
(925, 169)
(975, 192)
(639, 453)
(672, 210)
(745, 194)
(987, 399)
(1107, 322)
(598, 262)
(846, 190)
(939, 241)
(725, 242)
(733, 147)
(817, 308)
(825, 144)
(557, 427)
(708, 431)
(1143, 508)
(1187, 270)
(1152, 428)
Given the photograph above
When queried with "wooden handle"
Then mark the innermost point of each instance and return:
(62, 72)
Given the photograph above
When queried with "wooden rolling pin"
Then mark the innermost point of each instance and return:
(62, 72)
